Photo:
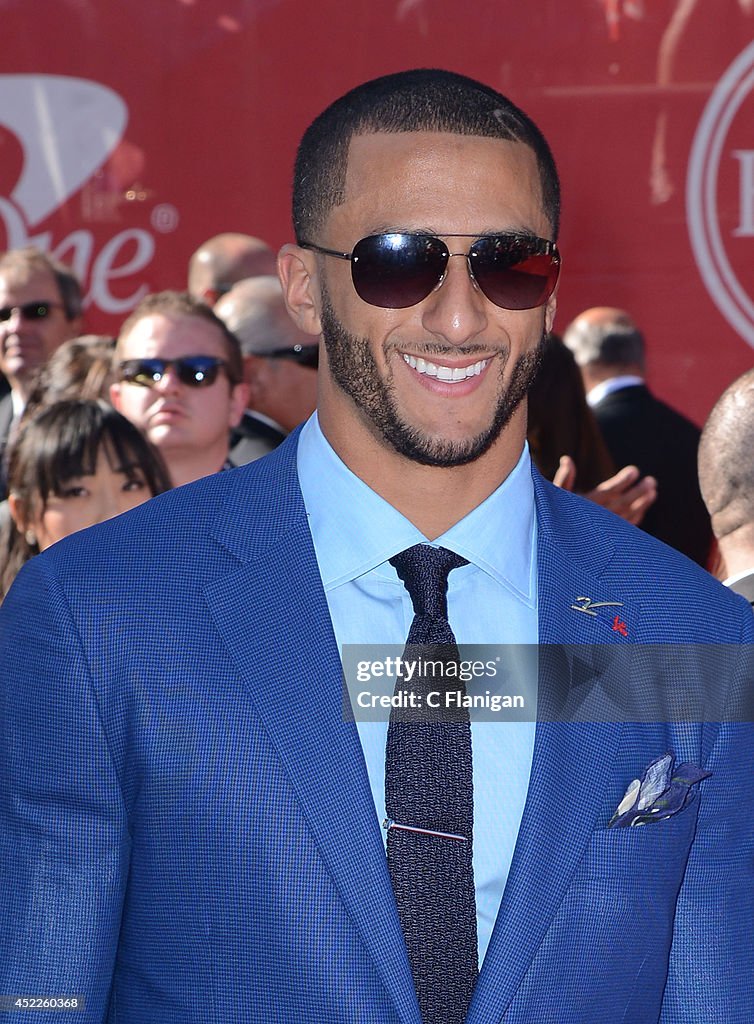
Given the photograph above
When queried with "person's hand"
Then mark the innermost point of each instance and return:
(565, 474)
(625, 494)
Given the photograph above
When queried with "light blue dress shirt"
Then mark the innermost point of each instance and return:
(493, 600)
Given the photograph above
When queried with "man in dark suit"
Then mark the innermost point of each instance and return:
(40, 308)
(192, 825)
(639, 428)
(280, 365)
(726, 477)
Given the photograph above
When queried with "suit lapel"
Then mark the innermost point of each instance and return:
(570, 766)
(288, 659)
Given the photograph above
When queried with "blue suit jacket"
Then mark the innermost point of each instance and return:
(186, 827)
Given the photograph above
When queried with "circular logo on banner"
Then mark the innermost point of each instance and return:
(720, 195)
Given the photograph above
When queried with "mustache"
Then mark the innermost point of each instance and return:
(435, 348)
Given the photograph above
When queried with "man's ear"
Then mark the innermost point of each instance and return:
(297, 270)
(254, 374)
(239, 398)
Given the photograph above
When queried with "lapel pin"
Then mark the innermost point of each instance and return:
(588, 606)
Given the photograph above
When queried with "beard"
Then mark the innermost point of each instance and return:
(356, 373)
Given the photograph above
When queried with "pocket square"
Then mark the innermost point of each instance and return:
(661, 792)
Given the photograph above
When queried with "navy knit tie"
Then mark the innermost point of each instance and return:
(429, 789)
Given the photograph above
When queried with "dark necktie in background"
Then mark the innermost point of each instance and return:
(429, 800)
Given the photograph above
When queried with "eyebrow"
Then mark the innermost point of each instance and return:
(392, 229)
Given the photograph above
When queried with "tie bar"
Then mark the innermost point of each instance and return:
(388, 823)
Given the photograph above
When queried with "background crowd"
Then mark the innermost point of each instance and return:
(203, 380)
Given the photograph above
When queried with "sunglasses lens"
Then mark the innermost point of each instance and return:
(36, 310)
(29, 311)
(197, 371)
(309, 357)
(142, 371)
(514, 273)
(395, 271)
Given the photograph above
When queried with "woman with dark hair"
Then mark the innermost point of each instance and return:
(566, 444)
(560, 421)
(73, 464)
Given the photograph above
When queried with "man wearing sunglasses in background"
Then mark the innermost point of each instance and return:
(280, 365)
(40, 308)
(179, 378)
(230, 844)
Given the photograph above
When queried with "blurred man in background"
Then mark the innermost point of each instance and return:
(40, 308)
(726, 477)
(280, 365)
(178, 376)
(638, 428)
(224, 259)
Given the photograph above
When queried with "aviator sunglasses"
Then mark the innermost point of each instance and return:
(30, 310)
(395, 269)
(196, 371)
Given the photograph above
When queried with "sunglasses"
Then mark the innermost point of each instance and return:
(30, 310)
(196, 371)
(396, 269)
(304, 355)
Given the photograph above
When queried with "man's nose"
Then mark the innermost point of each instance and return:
(456, 310)
(111, 505)
(12, 324)
(168, 384)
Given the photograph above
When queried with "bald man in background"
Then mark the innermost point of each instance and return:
(639, 428)
(280, 365)
(223, 260)
(726, 477)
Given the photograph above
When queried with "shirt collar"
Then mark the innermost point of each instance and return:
(738, 576)
(18, 404)
(606, 387)
(355, 530)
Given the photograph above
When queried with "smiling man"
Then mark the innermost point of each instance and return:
(198, 828)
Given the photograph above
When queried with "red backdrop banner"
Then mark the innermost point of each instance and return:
(129, 133)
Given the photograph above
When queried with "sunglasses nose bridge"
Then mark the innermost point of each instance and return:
(168, 379)
(454, 311)
(467, 257)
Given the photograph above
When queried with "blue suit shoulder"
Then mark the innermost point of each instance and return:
(625, 557)
(197, 530)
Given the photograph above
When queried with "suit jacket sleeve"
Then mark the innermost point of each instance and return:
(711, 970)
(63, 830)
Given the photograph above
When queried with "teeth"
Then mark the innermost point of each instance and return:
(449, 374)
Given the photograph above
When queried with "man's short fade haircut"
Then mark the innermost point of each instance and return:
(424, 100)
(18, 264)
(173, 304)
